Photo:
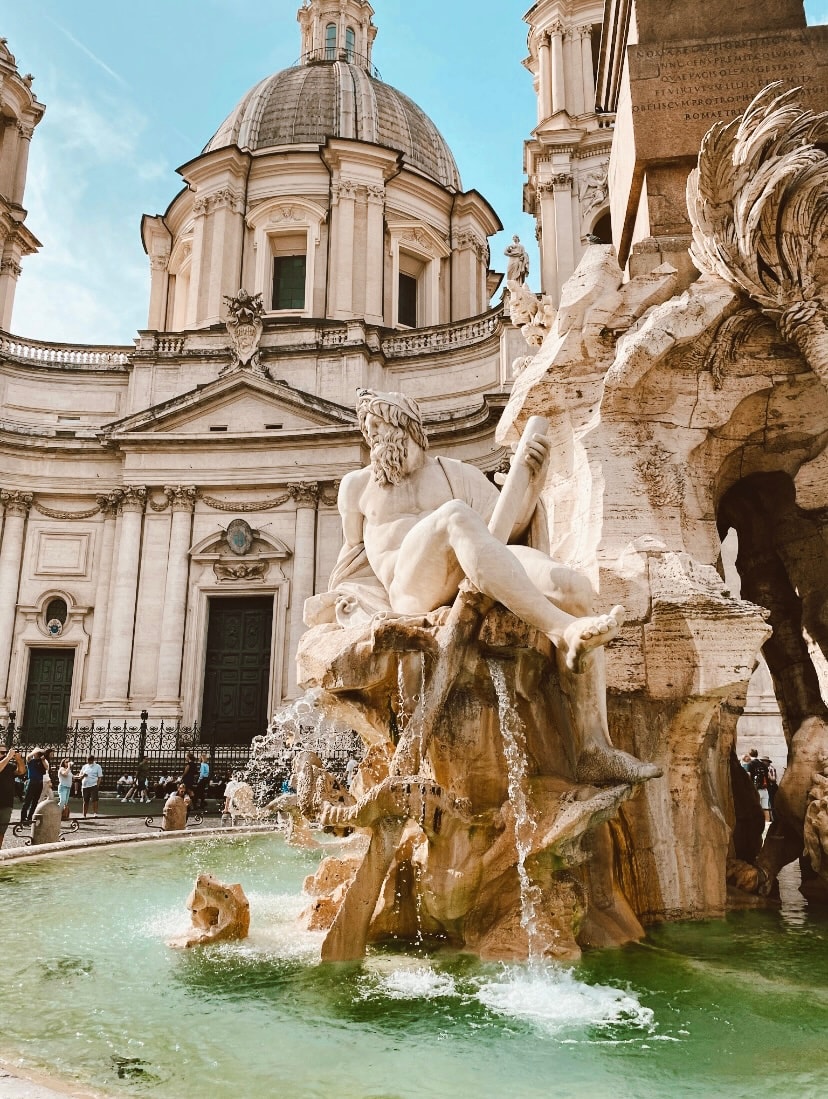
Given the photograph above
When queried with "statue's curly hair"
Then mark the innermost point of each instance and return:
(395, 409)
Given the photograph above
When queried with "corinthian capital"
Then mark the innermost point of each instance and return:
(305, 493)
(133, 499)
(15, 502)
(181, 497)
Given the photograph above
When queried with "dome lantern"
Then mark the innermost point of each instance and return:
(337, 30)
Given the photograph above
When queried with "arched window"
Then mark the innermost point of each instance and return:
(330, 42)
(350, 45)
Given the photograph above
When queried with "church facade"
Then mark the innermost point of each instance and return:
(168, 507)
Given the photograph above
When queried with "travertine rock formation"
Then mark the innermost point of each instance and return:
(677, 414)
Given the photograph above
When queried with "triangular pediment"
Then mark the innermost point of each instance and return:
(239, 403)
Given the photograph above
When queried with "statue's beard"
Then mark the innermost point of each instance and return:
(388, 459)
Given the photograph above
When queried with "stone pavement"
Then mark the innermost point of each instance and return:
(114, 819)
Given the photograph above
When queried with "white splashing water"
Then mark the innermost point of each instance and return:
(419, 983)
(514, 751)
(554, 1001)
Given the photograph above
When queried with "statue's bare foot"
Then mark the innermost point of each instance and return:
(601, 766)
(585, 634)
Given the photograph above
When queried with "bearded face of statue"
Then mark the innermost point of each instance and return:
(389, 448)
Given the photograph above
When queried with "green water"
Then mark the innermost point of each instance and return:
(90, 990)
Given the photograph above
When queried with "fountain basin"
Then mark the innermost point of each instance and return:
(93, 994)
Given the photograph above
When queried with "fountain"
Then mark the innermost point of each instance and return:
(535, 778)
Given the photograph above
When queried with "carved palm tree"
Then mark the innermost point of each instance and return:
(758, 204)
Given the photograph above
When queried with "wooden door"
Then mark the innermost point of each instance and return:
(237, 669)
(48, 692)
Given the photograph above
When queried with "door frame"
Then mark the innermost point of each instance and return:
(212, 600)
(195, 657)
(21, 720)
(31, 634)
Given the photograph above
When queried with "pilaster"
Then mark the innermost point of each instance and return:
(16, 506)
(306, 496)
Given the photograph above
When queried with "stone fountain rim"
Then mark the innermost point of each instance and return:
(48, 850)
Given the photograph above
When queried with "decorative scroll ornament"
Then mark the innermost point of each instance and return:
(758, 205)
(245, 327)
(252, 570)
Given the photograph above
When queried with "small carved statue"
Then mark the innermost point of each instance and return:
(220, 913)
(518, 267)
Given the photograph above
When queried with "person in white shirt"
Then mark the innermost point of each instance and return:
(91, 775)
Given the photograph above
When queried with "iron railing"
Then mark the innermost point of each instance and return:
(334, 53)
(118, 745)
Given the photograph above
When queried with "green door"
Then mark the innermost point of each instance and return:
(237, 669)
(48, 691)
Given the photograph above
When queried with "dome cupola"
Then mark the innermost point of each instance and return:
(328, 192)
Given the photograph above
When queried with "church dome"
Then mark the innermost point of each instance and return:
(312, 102)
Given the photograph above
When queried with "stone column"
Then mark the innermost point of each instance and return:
(171, 646)
(343, 195)
(124, 594)
(306, 495)
(545, 79)
(197, 290)
(24, 144)
(564, 225)
(374, 250)
(10, 271)
(8, 162)
(16, 507)
(159, 282)
(586, 69)
(556, 32)
(108, 505)
(574, 77)
(547, 242)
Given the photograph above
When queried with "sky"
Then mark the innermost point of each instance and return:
(132, 91)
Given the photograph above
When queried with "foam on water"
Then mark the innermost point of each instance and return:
(555, 1001)
(417, 983)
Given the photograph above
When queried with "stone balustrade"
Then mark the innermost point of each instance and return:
(54, 354)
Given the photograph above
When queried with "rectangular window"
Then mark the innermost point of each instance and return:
(289, 282)
(407, 308)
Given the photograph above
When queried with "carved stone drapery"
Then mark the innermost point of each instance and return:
(245, 505)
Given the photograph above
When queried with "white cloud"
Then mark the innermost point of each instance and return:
(87, 180)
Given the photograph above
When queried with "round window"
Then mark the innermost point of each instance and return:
(57, 610)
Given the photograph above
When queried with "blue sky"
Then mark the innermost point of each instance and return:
(134, 90)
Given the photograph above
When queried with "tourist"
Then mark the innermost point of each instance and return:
(35, 771)
(236, 780)
(176, 809)
(758, 772)
(91, 776)
(65, 780)
(771, 784)
(351, 768)
(189, 776)
(12, 765)
(122, 786)
(203, 780)
(46, 759)
(138, 786)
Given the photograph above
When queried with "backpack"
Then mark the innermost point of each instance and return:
(760, 776)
